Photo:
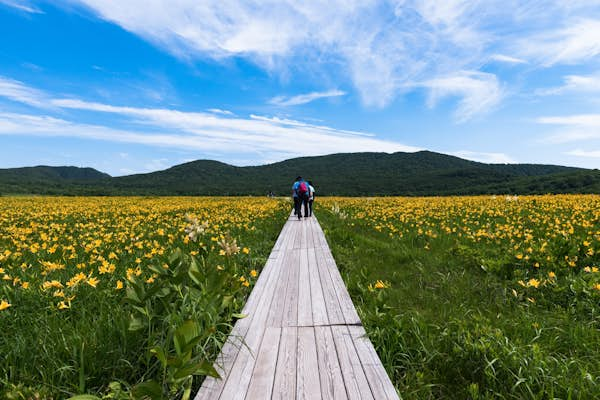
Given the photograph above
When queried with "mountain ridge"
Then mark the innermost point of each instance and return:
(349, 174)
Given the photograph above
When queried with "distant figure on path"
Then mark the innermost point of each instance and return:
(311, 198)
(300, 195)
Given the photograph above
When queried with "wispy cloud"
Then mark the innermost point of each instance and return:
(575, 84)
(219, 111)
(489, 158)
(189, 130)
(507, 59)
(479, 92)
(584, 153)
(22, 6)
(17, 91)
(285, 101)
(573, 127)
(578, 40)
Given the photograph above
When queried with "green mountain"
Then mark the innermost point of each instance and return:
(349, 174)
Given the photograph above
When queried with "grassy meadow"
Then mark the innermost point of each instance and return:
(463, 297)
(476, 297)
(124, 297)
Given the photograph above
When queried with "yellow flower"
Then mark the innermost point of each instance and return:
(63, 305)
(551, 275)
(596, 286)
(381, 285)
(253, 273)
(93, 282)
(25, 285)
(246, 283)
(4, 305)
(242, 279)
(519, 256)
(533, 282)
(246, 250)
(150, 280)
(119, 285)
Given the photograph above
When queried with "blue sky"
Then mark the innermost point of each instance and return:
(141, 85)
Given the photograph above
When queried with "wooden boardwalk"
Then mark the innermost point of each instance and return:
(302, 337)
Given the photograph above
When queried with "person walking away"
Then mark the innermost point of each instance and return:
(311, 198)
(296, 197)
(304, 191)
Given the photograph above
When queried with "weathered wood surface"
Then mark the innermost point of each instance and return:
(302, 337)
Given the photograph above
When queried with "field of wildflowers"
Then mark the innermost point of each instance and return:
(476, 297)
(123, 297)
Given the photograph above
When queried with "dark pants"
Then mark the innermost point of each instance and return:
(305, 204)
(310, 203)
(297, 205)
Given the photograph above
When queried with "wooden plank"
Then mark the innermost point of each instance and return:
(307, 378)
(320, 235)
(319, 308)
(330, 373)
(306, 226)
(379, 381)
(305, 315)
(212, 387)
(284, 387)
(302, 337)
(290, 310)
(239, 378)
(261, 382)
(280, 292)
(357, 386)
(281, 237)
(332, 305)
(348, 309)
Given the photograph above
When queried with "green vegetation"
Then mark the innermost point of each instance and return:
(111, 297)
(449, 319)
(357, 174)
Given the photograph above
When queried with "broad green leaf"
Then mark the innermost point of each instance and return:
(149, 390)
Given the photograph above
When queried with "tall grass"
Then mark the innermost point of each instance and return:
(446, 328)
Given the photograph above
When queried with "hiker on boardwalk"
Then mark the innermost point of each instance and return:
(311, 198)
(300, 195)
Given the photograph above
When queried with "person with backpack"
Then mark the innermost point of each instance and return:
(311, 198)
(300, 194)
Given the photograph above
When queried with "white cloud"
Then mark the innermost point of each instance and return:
(584, 153)
(17, 91)
(190, 130)
(575, 84)
(219, 111)
(22, 6)
(285, 101)
(489, 158)
(479, 92)
(384, 47)
(578, 40)
(573, 127)
(507, 59)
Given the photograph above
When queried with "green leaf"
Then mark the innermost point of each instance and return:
(135, 323)
(159, 353)
(132, 296)
(184, 334)
(239, 316)
(148, 390)
(85, 397)
(175, 256)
